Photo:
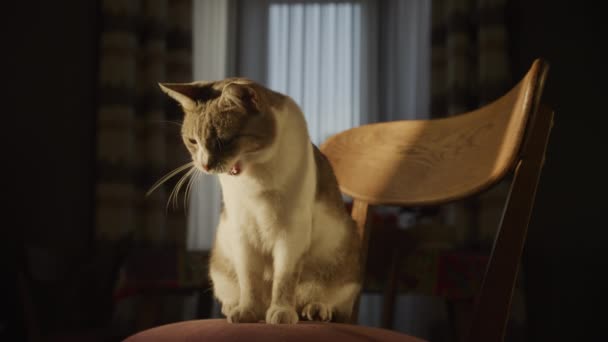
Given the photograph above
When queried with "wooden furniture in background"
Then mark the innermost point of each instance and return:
(429, 162)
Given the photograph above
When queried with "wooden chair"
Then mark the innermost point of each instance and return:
(427, 162)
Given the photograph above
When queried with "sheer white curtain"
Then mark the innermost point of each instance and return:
(317, 53)
(345, 62)
(314, 55)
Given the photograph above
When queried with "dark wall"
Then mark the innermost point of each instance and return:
(56, 67)
(50, 57)
(565, 256)
(50, 62)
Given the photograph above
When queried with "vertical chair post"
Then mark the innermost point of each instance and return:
(390, 291)
(494, 299)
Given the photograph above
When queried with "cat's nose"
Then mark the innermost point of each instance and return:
(206, 167)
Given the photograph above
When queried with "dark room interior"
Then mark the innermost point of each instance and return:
(52, 58)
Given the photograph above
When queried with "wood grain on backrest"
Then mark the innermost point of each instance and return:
(424, 162)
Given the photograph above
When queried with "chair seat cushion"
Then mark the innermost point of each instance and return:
(220, 330)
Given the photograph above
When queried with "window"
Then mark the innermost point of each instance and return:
(314, 54)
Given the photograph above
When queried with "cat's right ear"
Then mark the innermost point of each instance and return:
(183, 93)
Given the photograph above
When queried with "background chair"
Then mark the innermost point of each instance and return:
(419, 163)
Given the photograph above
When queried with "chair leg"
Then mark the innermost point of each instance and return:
(460, 312)
(149, 309)
(390, 292)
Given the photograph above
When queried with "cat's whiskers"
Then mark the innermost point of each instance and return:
(191, 182)
(168, 176)
(176, 123)
(175, 192)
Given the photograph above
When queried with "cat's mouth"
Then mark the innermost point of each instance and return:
(236, 169)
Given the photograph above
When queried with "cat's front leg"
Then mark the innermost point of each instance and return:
(287, 255)
(247, 264)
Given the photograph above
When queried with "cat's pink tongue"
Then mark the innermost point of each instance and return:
(236, 169)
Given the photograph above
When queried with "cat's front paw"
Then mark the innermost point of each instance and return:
(317, 312)
(226, 308)
(240, 314)
(281, 315)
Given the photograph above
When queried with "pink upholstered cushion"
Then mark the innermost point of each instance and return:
(216, 330)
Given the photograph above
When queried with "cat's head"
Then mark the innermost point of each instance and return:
(227, 124)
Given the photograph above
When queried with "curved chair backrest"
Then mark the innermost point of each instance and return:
(427, 162)
(421, 162)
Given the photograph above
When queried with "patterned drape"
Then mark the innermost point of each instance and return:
(469, 55)
(142, 43)
(470, 68)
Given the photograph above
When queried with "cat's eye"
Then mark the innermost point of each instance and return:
(192, 141)
(235, 138)
(228, 141)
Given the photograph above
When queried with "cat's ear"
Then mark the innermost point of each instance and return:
(184, 93)
(242, 96)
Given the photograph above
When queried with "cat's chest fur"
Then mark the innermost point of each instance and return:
(254, 217)
(261, 208)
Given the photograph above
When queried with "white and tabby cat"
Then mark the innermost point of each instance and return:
(285, 247)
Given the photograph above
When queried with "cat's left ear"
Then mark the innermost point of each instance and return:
(184, 93)
(241, 96)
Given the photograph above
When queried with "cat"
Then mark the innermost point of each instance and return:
(285, 247)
